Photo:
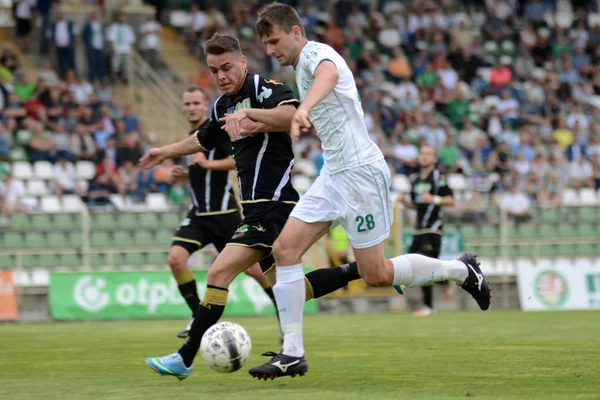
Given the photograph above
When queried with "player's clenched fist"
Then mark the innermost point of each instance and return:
(179, 172)
(154, 157)
(300, 123)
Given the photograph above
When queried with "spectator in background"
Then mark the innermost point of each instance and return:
(581, 173)
(82, 144)
(162, 175)
(122, 39)
(129, 151)
(47, 74)
(516, 204)
(24, 88)
(94, 40)
(150, 41)
(198, 22)
(42, 146)
(24, 22)
(5, 143)
(129, 177)
(9, 60)
(129, 119)
(12, 197)
(63, 35)
(63, 142)
(65, 178)
(178, 194)
(448, 156)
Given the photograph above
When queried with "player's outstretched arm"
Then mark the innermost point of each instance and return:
(276, 119)
(225, 164)
(184, 147)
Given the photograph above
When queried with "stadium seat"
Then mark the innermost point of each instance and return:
(158, 259)
(457, 182)
(143, 238)
(18, 154)
(69, 260)
(43, 170)
(103, 221)
(22, 170)
(127, 221)
(74, 240)
(163, 237)
(587, 231)
(51, 204)
(19, 222)
(41, 222)
(527, 231)
(23, 137)
(148, 221)
(506, 60)
(122, 239)
(588, 214)
(48, 260)
(170, 220)
(547, 230)
(564, 20)
(508, 47)
(28, 261)
(37, 187)
(301, 183)
(64, 222)
(157, 202)
(593, 19)
(72, 203)
(35, 240)
(57, 240)
(100, 239)
(587, 250)
(491, 48)
(135, 259)
(566, 230)
(97, 260)
(489, 232)
(587, 197)
(570, 197)
(85, 170)
(401, 183)
(7, 261)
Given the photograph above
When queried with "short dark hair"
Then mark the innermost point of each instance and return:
(278, 15)
(193, 89)
(220, 44)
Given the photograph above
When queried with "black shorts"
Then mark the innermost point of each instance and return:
(427, 244)
(262, 224)
(195, 232)
(23, 27)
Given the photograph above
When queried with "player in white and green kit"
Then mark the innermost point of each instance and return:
(353, 190)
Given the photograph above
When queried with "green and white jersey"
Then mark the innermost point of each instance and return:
(338, 119)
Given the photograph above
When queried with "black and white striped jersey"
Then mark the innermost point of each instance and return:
(429, 216)
(210, 190)
(263, 161)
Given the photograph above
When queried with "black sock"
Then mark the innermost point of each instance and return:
(189, 291)
(209, 312)
(326, 280)
(428, 296)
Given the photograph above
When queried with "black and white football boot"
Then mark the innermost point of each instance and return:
(476, 284)
(279, 365)
(185, 333)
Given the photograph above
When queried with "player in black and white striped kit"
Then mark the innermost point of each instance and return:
(428, 195)
(214, 215)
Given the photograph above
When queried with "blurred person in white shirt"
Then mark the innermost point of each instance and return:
(65, 178)
(12, 196)
(581, 173)
(122, 39)
(150, 32)
(516, 204)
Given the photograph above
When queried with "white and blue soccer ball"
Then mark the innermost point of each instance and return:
(226, 347)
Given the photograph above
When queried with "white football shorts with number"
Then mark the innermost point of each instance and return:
(358, 199)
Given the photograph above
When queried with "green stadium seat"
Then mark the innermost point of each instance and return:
(149, 221)
(20, 222)
(29, 261)
(528, 231)
(18, 154)
(170, 220)
(100, 239)
(489, 232)
(35, 240)
(143, 238)
(97, 260)
(69, 260)
(13, 240)
(508, 47)
(470, 232)
(48, 260)
(164, 238)
(63, 222)
(127, 221)
(513, 232)
(548, 231)
(567, 250)
(550, 216)
(587, 250)
(547, 250)
(524, 251)
(134, 259)
(57, 240)
(566, 230)
(74, 239)
(588, 214)
(122, 239)
(118, 260)
(7, 261)
(587, 231)
(41, 222)
(103, 221)
(157, 258)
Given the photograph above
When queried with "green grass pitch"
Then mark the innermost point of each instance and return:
(493, 355)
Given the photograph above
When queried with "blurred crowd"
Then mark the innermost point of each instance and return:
(501, 88)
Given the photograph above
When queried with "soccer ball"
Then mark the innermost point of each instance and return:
(226, 347)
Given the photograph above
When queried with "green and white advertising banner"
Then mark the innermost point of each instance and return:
(452, 244)
(559, 287)
(145, 294)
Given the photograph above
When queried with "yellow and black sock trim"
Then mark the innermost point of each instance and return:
(182, 277)
(215, 295)
(310, 293)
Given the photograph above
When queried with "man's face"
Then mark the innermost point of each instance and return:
(227, 70)
(194, 106)
(283, 46)
(427, 157)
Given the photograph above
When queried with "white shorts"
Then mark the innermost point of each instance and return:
(358, 199)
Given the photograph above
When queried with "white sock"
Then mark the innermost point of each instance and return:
(417, 270)
(290, 295)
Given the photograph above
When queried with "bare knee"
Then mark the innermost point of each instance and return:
(285, 253)
(219, 275)
(177, 261)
